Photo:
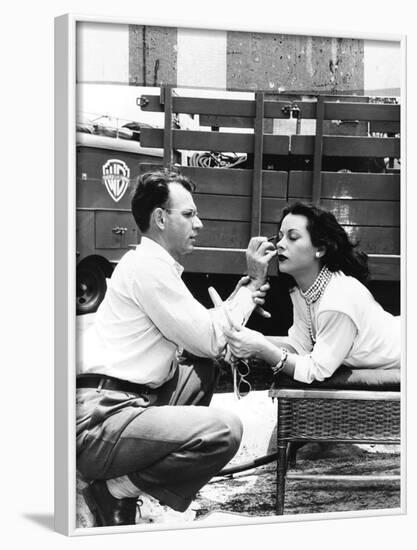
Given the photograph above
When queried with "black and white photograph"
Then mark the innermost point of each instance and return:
(208, 275)
(238, 263)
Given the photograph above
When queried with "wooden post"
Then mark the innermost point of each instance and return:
(283, 416)
(256, 213)
(318, 152)
(166, 99)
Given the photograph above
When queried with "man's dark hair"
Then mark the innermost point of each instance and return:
(152, 191)
(325, 231)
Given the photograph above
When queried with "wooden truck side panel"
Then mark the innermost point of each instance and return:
(237, 203)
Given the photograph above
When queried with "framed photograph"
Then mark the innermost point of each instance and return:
(284, 145)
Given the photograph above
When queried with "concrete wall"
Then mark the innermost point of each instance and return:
(294, 63)
(137, 55)
(152, 55)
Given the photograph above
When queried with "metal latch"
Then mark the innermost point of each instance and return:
(292, 110)
(142, 101)
(119, 230)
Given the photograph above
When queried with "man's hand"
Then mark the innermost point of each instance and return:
(258, 295)
(258, 255)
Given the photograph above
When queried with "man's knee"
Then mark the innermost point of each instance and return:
(229, 428)
(236, 430)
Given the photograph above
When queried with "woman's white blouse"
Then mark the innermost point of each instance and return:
(350, 327)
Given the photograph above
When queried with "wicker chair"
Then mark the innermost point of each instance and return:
(353, 406)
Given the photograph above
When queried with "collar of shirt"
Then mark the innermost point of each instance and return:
(160, 252)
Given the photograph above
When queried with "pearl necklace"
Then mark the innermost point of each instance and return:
(313, 293)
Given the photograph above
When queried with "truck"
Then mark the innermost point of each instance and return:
(107, 166)
(249, 158)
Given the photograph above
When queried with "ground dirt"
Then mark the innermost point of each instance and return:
(253, 493)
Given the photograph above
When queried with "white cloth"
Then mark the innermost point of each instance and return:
(350, 328)
(148, 315)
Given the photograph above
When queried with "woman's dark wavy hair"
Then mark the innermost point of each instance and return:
(325, 231)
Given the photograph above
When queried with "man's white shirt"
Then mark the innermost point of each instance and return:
(149, 315)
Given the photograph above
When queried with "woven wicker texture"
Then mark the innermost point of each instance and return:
(333, 419)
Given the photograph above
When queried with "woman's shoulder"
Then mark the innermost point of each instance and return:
(347, 282)
(344, 291)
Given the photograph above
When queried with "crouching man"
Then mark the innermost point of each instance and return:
(143, 421)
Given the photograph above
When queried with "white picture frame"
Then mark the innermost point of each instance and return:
(65, 267)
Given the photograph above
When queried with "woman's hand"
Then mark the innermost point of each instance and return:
(244, 342)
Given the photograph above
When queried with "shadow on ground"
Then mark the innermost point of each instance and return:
(44, 520)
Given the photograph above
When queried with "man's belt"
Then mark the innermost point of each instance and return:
(100, 382)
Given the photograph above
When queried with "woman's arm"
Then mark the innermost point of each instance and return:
(335, 338)
(246, 343)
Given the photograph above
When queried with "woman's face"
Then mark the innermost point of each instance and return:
(296, 253)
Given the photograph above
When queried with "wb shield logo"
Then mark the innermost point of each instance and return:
(116, 178)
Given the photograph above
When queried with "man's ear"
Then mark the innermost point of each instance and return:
(158, 216)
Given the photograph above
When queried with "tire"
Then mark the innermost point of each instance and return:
(91, 286)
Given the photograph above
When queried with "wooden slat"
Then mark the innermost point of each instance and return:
(221, 260)
(338, 185)
(215, 260)
(230, 234)
(336, 108)
(227, 233)
(229, 181)
(369, 213)
(345, 128)
(385, 127)
(385, 268)
(227, 107)
(348, 146)
(227, 121)
(235, 181)
(226, 207)
(361, 111)
(203, 106)
(215, 141)
(375, 240)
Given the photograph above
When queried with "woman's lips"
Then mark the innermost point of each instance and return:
(282, 258)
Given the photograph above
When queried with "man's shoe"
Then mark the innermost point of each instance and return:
(152, 511)
(106, 509)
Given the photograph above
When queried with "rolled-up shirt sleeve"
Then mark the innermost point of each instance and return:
(182, 319)
(335, 336)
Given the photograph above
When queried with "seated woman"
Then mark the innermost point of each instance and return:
(336, 319)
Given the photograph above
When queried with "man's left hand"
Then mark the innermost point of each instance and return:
(258, 295)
